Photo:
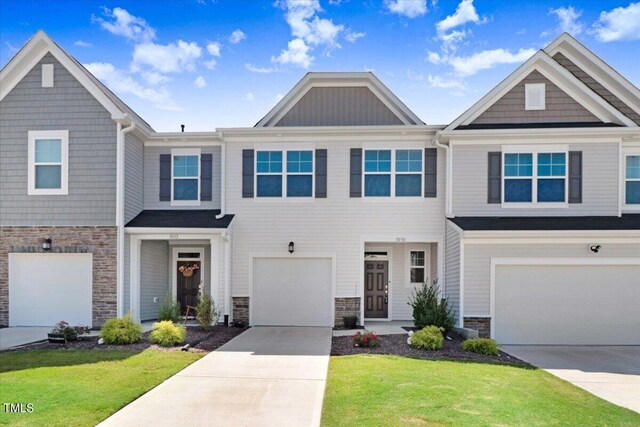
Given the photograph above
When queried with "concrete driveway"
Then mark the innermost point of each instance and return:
(267, 376)
(610, 372)
(15, 336)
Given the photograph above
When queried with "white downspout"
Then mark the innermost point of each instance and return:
(223, 173)
(449, 187)
(227, 273)
(120, 150)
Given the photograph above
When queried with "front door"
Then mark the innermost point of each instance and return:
(188, 287)
(376, 289)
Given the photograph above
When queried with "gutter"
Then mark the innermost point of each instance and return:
(223, 173)
(120, 149)
(449, 186)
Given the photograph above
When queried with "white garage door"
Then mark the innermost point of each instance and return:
(292, 292)
(47, 288)
(567, 304)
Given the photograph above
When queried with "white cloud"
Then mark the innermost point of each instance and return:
(465, 12)
(121, 23)
(619, 24)
(170, 58)
(487, 59)
(352, 36)
(214, 49)
(435, 58)
(237, 36)
(199, 82)
(259, 70)
(569, 20)
(210, 64)
(297, 53)
(249, 96)
(408, 8)
(444, 83)
(154, 78)
(82, 43)
(451, 40)
(121, 81)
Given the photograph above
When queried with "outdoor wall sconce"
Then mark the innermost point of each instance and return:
(46, 244)
(595, 248)
(291, 247)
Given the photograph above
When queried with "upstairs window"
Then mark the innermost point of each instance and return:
(269, 174)
(393, 172)
(48, 162)
(300, 173)
(185, 179)
(534, 96)
(632, 180)
(377, 173)
(531, 177)
(408, 173)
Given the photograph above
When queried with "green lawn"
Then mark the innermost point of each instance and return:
(81, 387)
(395, 391)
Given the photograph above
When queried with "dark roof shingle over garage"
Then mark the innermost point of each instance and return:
(183, 218)
(488, 223)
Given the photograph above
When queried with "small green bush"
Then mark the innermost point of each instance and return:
(169, 310)
(482, 346)
(167, 333)
(71, 333)
(206, 312)
(121, 331)
(430, 309)
(428, 338)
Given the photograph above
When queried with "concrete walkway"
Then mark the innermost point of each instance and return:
(610, 372)
(267, 376)
(15, 336)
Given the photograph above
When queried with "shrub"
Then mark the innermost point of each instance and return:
(428, 338)
(70, 333)
(429, 309)
(167, 333)
(482, 346)
(366, 340)
(206, 312)
(121, 331)
(169, 310)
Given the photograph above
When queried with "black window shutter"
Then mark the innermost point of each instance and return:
(430, 172)
(575, 176)
(165, 177)
(206, 172)
(321, 173)
(247, 173)
(355, 189)
(494, 189)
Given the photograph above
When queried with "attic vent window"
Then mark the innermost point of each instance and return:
(47, 75)
(534, 98)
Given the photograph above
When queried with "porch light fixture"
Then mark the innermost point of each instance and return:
(46, 244)
(291, 247)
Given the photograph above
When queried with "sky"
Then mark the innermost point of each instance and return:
(226, 63)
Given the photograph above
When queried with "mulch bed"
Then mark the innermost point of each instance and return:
(397, 345)
(201, 340)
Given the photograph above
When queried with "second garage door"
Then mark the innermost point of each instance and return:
(567, 304)
(292, 292)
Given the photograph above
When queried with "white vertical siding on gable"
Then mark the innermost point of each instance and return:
(133, 177)
(599, 183)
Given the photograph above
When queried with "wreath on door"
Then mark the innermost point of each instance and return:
(188, 269)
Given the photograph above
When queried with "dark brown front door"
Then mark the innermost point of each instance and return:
(376, 289)
(188, 287)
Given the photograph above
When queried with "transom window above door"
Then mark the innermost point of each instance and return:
(284, 173)
(48, 162)
(398, 172)
(535, 177)
(632, 180)
(185, 177)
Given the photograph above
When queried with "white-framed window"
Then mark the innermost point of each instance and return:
(285, 173)
(185, 177)
(48, 162)
(417, 266)
(535, 176)
(534, 96)
(632, 180)
(393, 172)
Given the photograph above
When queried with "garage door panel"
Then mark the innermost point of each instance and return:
(292, 292)
(47, 288)
(567, 304)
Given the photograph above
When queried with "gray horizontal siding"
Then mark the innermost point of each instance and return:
(597, 87)
(599, 183)
(560, 107)
(339, 106)
(154, 277)
(133, 177)
(152, 179)
(452, 267)
(477, 265)
(92, 152)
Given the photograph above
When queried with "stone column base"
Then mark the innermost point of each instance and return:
(346, 307)
(480, 324)
(241, 309)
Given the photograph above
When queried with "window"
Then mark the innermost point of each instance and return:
(300, 173)
(403, 174)
(531, 177)
(417, 266)
(48, 162)
(632, 180)
(185, 179)
(534, 96)
(269, 173)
